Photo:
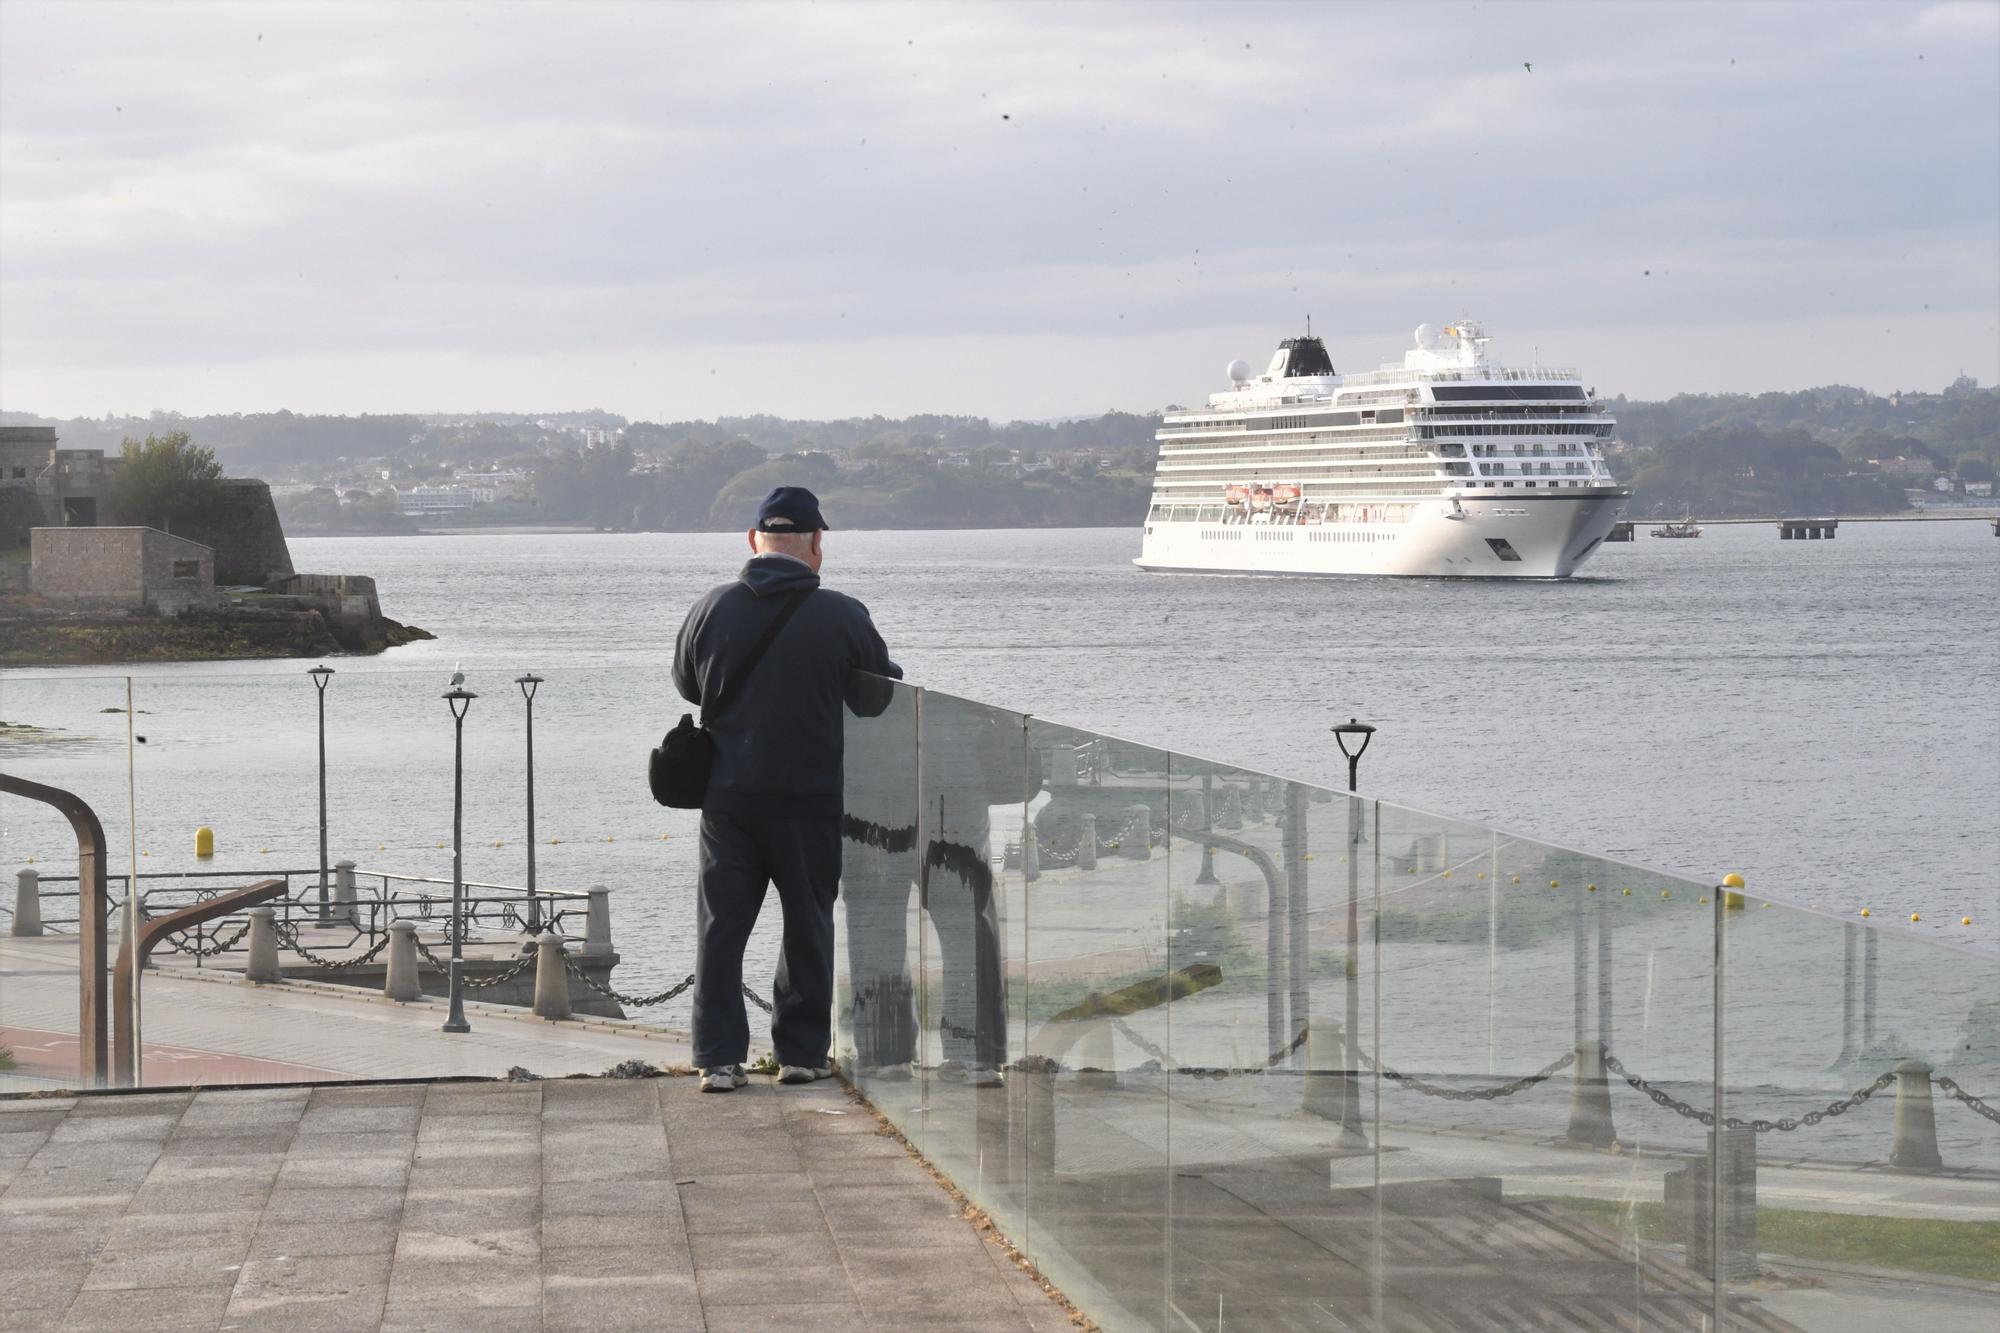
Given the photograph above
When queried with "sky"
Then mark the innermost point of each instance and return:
(1018, 211)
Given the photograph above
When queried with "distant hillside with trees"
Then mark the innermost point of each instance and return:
(1824, 450)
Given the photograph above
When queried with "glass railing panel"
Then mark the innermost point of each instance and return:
(1092, 1095)
(971, 866)
(880, 936)
(69, 732)
(1861, 1157)
(1513, 1169)
(1266, 1232)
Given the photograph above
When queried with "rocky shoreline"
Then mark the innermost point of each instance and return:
(32, 636)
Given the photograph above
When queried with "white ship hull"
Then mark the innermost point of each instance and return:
(1550, 537)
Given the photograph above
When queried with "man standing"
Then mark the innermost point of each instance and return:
(772, 812)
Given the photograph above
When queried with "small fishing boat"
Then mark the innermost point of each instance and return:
(1687, 527)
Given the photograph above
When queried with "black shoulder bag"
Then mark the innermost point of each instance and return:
(678, 770)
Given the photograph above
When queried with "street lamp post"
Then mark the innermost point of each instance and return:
(460, 699)
(1351, 1134)
(321, 674)
(528, 684)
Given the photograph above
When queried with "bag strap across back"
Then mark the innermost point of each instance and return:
(763, 644)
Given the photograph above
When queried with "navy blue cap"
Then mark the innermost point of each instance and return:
(789, 509)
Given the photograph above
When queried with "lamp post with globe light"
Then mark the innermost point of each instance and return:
(460, 700)
(1351, 1134)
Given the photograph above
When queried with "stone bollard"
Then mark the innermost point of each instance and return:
(596, 922)
(1253, 802)
(1035, 1077)
(1590, 1102)
(551, 977)
(1086, 842)
(263, 964)
(27, 902)
(1229, 809)
(1913, 1146)
(343, 891)
(399, 978)
(1136, 842)
(1325, 1055)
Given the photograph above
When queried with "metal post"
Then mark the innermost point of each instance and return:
(1298, 962)
(320, 675)
(528, 683)
(460, 699)
(1207, 875)
(1351, 1134)
(1848, 982)
(1718, 1281)
(1604, 928)
(1867, 993)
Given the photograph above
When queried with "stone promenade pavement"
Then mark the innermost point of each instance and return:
(581, 1204)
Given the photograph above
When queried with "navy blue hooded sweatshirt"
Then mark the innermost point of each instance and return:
(778, 738)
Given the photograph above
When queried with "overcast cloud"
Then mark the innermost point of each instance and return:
(1021, 211)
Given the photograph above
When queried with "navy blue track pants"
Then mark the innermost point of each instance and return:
(741, 856)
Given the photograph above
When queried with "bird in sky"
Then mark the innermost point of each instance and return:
(1528, 66)
(457, 674)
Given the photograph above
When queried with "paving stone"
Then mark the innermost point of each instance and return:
(343, 1290)
(462, 1210)
(170, 1309)
(778, 1253)
(323, 1236)
(423, 1319)
(819, 1316)
(473, 1100)
(606, 1261)
(350, 1204)
(116, 1105)
(344, 1143)
(209, 1145)
(457, 1284)
(764, 1285)
(508, 1244)
(671, 1304)
(871, 1170)
(344, 1172)
(226, 1196)
(44, 1284)
(717, 1211)
(392, 1119)
(586, 1229)
(650, 1194)
(191, 1263)
(395, 1094)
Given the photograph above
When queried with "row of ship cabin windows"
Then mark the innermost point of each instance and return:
(1527, 469)
(1543, 428)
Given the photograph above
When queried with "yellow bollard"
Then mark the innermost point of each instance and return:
(204, 842)
(1732, 880)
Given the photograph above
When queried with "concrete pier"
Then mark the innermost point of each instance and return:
(1807, 529)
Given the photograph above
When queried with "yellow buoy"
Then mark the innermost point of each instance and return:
(204, 841)
(664, 837)
(1965, 921)
(1555, 883)
(1626, 892)
(1591, 888)
(1704, 897)
(608, 838)
(555, 842)
(1447, 874)
(1517, 879)
(1309, 856)
(1915, 917)
(145, 853)
(1666, 893)
(1864, 911)
(263, 851)
(1482, 874)
(1732, 880)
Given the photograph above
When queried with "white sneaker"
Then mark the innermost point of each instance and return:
(801, 1074)
(723, 1078)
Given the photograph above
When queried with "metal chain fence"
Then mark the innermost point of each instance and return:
(634, 1001)
(1953, 1090)
(288, 935)
(526, 961)
(205, 950)
(1839, 1106)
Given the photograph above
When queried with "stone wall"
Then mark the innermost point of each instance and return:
(248, 540)
(25, 451)
(346, 599)
(121, 569)
(20, 513)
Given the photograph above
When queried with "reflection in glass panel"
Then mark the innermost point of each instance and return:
(1093, 1102)
(1858, 1058)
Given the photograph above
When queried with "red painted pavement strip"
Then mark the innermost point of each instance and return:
(53, 1055)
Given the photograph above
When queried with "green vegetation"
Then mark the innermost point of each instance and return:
(1830, 449)
(1905, 1244)
(6, 1058)
(164, 480)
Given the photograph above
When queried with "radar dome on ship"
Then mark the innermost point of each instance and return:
(1239, 370)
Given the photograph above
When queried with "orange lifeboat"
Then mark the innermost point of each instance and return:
(1285, 494)
(1234, 495)
(1260, 497)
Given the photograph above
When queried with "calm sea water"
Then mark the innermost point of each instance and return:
(1820, 716)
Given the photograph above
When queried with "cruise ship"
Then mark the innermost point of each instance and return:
(1450, 465)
